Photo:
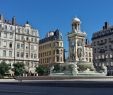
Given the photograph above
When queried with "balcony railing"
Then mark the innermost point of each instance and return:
(102, 51)
(102, 43)
(111, 41)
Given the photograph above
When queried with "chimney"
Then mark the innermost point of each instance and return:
(14, 20)
(106, 25)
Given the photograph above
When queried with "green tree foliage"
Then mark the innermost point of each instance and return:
(4, 68)
(56, 68)
(19, 68)
(42, 70)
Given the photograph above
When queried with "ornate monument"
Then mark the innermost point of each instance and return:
(77, 64)
(76, 40)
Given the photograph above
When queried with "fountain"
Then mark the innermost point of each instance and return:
(77, 64)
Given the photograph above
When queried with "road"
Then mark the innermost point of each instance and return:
(57, 88)
(38, 90)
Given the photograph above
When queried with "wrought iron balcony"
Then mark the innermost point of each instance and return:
(111, 41)
(102, 51)
(102, 43)
(102, 35)
(102, 60)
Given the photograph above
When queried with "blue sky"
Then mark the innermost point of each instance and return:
(46, 15)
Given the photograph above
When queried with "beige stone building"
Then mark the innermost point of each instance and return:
(78, 48)
(102, 43)
(51, 48)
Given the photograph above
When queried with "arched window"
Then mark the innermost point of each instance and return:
(10, 45)
(57, 51)
(89, 54)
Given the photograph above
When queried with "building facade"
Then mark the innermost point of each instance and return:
(51, 49)
(18, 43)
(88, 51)
(78, 49)
(102, 43)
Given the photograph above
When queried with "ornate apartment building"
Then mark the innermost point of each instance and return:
(18, 43)
(51, 50)
(102, 42)
(79, 48)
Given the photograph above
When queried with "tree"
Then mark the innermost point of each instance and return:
(42, 70)
(56, 68)
(4, 68)
(19, 68)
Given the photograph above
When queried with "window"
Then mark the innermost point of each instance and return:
(27, 55)
(95, 50)
(18, 54)
(27, 47)
(35, 39)
(31, 55)
(22, 46)
(4, 53)
(89, 54)
(89, 59)
(57, 51)
(57, 58)
(109, 39)
(35, 56)
(10, 53)
(57, 44)
(61, 44)
(10, 45)
(11, 28)
(5, 26)
(101, 41)
(11, 35)
(18, 37)
(5, 35)
(109, 46)
(97, 42)
(27, 38)
(32, 39)
(18, 30)
(22, 54)
(61, 59)
(105, 47)
(35, 47)
(32, 47)
(27, 31)
(18, 45)
(4, 43)
(105, 40)
(22, 37)
(0, 26)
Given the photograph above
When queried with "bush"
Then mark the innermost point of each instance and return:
(4, 68)
(19, 68)
(42, 70)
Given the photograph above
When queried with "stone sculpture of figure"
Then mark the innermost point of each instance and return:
(79, 53)
(51, 69)
(74, 69)
(104, 68)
